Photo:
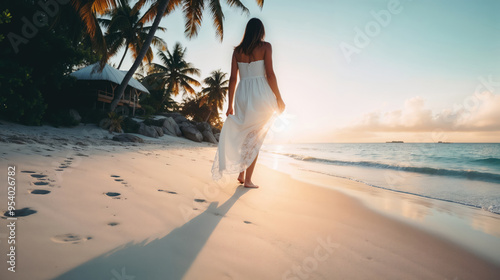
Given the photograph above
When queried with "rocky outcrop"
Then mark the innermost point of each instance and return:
(170, 127)
(206, 131)
(159, 130)
(190, 132)
(125, 137)
(147, 130)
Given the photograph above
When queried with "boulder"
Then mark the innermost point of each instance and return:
(159, 130)
(209, 137)
(191, 133)
(179, 119)
(74, 115)
(203, 126)
(170, 127)
(147, 130)
(215, 130)
(105, 123)
(125, 137)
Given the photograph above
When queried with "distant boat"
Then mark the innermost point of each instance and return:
(441, 142)
(394, 142)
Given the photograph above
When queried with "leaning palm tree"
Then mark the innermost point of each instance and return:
(125, 28)
(193, 11)
(174, 73)
(214, 94)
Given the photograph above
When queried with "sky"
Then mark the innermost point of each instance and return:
(368, 70)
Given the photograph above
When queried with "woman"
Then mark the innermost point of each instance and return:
(255, 101)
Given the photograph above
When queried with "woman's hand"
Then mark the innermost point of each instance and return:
(281, 105)
(229, 111)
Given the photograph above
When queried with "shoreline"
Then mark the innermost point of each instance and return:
(171, 220)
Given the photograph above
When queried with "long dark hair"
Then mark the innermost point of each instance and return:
(254, 33)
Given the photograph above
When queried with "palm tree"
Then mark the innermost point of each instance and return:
(193, 11)
(174, 74)
(88, 11)
(126, 29)
(215, 92)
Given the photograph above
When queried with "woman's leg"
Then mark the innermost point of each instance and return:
(248, 177)
(241, 177)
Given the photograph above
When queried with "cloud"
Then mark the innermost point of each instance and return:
(478, 112)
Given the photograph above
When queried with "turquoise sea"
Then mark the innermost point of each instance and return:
(467, 174)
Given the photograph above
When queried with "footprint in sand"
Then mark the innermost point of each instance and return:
(38, 176)
(39, 191)
(40, 183)
(27, 171)
(199, 200)
(247, 222)
(69, 238)
(113, 224)
(113, 195)
(118, 179)
(170, 192)
(26, 211)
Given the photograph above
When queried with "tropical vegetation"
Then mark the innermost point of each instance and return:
(38, 53)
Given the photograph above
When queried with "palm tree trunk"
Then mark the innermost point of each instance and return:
(209, 113)
(124, 54)
(119, 91)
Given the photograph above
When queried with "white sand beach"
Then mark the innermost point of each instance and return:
(101, 209)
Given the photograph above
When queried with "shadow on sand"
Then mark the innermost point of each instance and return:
(169, 257)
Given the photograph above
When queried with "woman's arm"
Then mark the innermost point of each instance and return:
(232, 84)
(271, 77)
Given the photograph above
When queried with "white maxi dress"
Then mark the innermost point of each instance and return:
(242, 135)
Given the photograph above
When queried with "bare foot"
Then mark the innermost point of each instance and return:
(241, 178)
(250, 185)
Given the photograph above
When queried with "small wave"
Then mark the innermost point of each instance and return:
(490, 160)
(491, 208)
(468, 174)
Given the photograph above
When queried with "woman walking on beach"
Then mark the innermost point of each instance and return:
(256, 99)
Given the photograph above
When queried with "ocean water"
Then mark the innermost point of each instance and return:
(462, 173)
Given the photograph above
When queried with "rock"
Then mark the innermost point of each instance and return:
(105, 123)
(74, 115)
(126, 137)
(179, 119)
(209, 137)
(159, 130)
(216, 135)
(203, 126)
(147, 130)
(130, 125)
(154, 122)
(215, 130)
(170, 127)
(191, 133)
(170, 114)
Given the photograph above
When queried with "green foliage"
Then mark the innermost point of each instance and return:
(148, 110)
(20, 100)
(116, 122)
(62, 118)
(197, 110)
(33, 71)
(5, 17)
(93, 115)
